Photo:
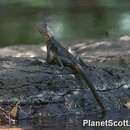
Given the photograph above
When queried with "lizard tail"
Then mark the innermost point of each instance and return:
(91, 86)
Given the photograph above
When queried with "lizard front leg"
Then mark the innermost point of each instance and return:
(50, 56)
(60, 62)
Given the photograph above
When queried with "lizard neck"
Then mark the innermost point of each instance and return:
(47, 36)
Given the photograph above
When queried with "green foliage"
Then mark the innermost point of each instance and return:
(33, 3)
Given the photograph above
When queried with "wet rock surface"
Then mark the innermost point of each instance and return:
(51, 91)
(25, 75)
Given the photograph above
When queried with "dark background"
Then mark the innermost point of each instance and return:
(70, 20)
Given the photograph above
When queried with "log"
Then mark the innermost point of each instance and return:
(52, 91)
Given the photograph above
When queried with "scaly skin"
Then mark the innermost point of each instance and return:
(60, 55)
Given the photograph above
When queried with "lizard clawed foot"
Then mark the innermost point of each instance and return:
(62, 67)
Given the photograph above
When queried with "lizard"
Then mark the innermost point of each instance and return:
(60, 55)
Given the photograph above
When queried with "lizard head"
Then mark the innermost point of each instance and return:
(43, 29)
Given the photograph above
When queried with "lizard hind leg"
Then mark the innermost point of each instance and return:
(81, 62)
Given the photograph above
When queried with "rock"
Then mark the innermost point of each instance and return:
(53, 92)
